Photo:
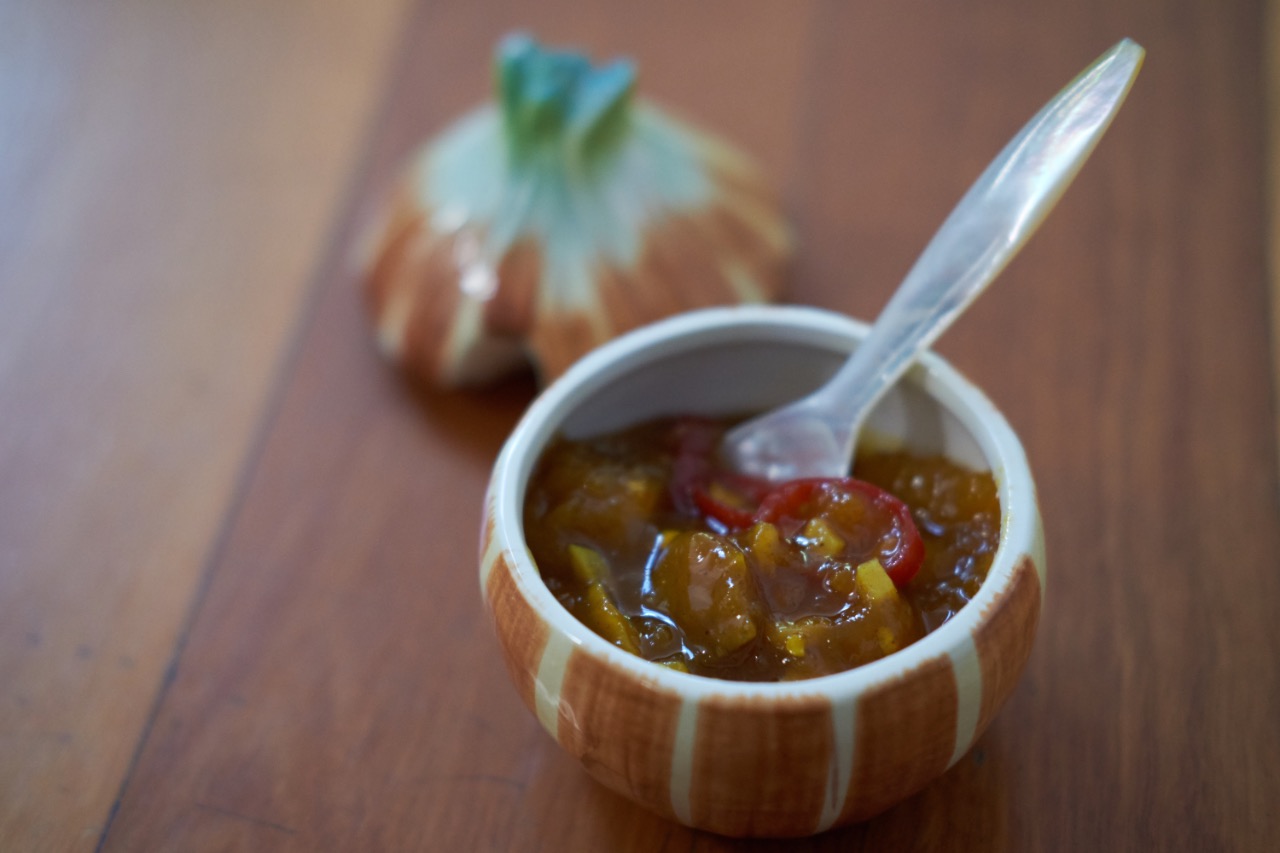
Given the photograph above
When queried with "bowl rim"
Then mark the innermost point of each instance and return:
(782, 323)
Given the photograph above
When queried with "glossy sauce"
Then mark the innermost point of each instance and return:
(647, 541)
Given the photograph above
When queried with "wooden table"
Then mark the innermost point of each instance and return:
(238, 595)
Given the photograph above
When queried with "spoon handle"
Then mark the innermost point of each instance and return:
(987, 228)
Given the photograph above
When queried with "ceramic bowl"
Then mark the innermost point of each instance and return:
(747, 759)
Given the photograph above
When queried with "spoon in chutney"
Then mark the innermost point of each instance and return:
(816, 435)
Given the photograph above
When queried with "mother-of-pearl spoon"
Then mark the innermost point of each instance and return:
(816, 435)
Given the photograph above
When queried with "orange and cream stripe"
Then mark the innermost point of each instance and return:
(709, 758)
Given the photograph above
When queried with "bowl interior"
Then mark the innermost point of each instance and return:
(739, 368)
(743, 360)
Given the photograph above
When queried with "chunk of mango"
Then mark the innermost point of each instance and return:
(602, 615)
(605, 619)
(702, 582)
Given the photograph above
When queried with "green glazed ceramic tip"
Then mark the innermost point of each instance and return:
(556, 105)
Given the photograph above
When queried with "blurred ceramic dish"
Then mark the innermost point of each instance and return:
(749, 759)
(566, 212)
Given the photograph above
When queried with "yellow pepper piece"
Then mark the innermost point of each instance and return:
(821, 539)
(765, 544)
(602, 614)
(606, 620)
(874, 584)
(589, 565)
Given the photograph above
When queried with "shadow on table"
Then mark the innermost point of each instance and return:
(471, 421)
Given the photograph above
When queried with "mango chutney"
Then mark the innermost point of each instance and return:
(648, 541)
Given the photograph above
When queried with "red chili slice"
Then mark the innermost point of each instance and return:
(731, 517)
(744, 493)
(791, 505)
(694, 441)
(695, 480)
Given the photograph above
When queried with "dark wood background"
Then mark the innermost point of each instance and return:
(238, 595)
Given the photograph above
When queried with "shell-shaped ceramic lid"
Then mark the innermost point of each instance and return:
(563, 213)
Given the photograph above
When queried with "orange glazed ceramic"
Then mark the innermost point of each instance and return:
(751, 759)
(562, 213)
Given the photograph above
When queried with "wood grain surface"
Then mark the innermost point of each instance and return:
(168, 175)
(238, 595)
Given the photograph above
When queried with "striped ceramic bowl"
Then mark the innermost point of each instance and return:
(749, 759)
